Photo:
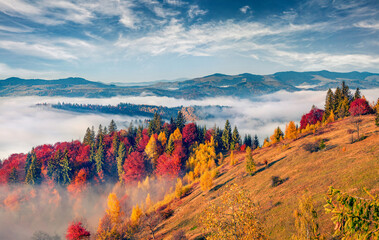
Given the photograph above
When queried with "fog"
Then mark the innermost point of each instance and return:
(24, 125)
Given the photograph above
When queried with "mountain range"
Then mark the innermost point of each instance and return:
(244, 85)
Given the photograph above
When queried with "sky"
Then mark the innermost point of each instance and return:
(145, 40)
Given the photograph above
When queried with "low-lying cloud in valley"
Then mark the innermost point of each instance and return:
(23, 125)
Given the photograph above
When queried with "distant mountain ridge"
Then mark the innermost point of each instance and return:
(244, 85)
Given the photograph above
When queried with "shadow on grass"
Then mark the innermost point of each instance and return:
(217, 187)
(268, 166)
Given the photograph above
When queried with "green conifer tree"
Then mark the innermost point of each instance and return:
(170, 146)
(329, 104)
(65, 170)
(180, 121)
(255, 142)
(112, 127)
(226, 136)
(250, 164)
(13, 176)
(120, 160)
(343, 108)
(88, 137)
(34, 173)
(236, 139)
(357, 94)
(99, 159)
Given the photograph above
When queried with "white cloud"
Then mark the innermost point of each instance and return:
(195, 11)
(244, 9)
(15, 29)
(368, 24)
(7, 71)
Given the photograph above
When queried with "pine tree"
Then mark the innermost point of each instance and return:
(115, 144)
(88, 138)
(112, 127)
(34, 173)
(248, 140)
(236, 139)
(255, 142)
(99, 160)
(329, 103)
(250, 164)
(120, 160)
(65, 170)
(13, 176)
(357, 94)
(337, 99)
(155, 125)
(345, 91)
(377, 119)
(28, 161)
(277, 136)
(226, 135)
(343, 108)
(180, 121)
(170, 146)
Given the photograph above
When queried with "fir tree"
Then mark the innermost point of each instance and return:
(65, 170)
(337, 99)
(115, 143)
(329, 103)
(236, 139)
(180, 121)
(34, 173)
(255, 142)
(120, 160)
(345, 91)
(88, 138)
(357, 94)
(250, 164)
(343, 108)
(277, 136)
(248, 141)
(112, 127)
(170, 146)
(155, 125)
(13, 176)
(28, 161)
(99, 159)
(226, 135)
(377, 119)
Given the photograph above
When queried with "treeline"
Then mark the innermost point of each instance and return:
(121, 108)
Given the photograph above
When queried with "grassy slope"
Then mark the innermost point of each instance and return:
(346, 166)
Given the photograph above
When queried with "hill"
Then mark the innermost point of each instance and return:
(244, 85)
(343, 165)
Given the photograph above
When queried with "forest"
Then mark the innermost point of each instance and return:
(139, 171)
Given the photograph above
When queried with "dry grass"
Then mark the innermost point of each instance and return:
(346, 166)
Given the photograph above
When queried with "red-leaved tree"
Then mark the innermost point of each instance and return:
(76, 231)
(168, 166)
(312, 117)
(359, 107)
(189, 133)
(134, 167)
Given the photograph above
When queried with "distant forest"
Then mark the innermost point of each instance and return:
(122, 108)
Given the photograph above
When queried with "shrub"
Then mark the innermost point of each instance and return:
(311, 147)
(166, 213)
(276, 181)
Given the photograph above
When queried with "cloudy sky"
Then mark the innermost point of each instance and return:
(143, 40)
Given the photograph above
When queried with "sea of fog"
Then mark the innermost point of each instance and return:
(24, 125)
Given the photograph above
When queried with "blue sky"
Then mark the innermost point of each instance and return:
(144, 40)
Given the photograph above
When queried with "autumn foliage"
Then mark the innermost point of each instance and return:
(311, 118)
(76, 231)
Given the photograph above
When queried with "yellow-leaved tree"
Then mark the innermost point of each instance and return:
(136, 215)
(162, 138)
(151, 149)
(176, 135)
(114, 209)
(232, 217)
(291, 131)
(202, 159)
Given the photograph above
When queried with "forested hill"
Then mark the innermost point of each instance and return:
(243, 85)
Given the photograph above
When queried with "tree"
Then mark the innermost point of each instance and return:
(176, 135)
(162, 138)
(151, 221)
(236, 139)
(114, 209)
(337, 99)
(291, 131)
(329, 103)
(377, 119)
(136, 215)
(168, 166)
(112, 127)
(120, 160)
(34, 173)
(134, 167)
(189, 134)
(250, 164)
(311, 118)
(306, 221)
(88, 137)
(99, 160)
(357, 94)
(343, 108)
(226, 135)
(247, 140)
(170, 146)
(232, 159)
(76, 231)
(155, 125)
(13, 176)
(65, 170)
(151, 150)
(232, 217)
(180, 121)
(266, 142)
(206, 180)
(277, 136)
(354, 217)
(357, 108)
(345, 91)
(255, 142)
